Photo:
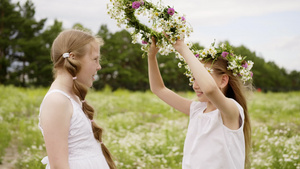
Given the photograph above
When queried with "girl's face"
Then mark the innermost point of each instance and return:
(200, 95)
(90, 65)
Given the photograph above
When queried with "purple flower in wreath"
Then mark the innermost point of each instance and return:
(183, 18)
(245, 65)
(171, 11)
(144, 42)
(136, 4)
(251, 74)
(197, 55)
(224, 54)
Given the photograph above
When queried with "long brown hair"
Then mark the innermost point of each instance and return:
(237, 91)
(79, 43)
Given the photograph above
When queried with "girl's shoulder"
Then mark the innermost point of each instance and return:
(197, 106)
(56, 109)
(56, 99)
(241, 110)
(55, 102)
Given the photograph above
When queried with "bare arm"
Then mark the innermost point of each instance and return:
(228, 109)
(157, 85)
(55, 120)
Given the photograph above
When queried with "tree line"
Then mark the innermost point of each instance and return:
(25, 45)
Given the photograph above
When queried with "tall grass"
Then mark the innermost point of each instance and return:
(143, 132)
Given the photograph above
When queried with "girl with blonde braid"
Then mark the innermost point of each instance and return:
(73, 140)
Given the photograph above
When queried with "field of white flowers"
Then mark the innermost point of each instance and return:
(143, 132)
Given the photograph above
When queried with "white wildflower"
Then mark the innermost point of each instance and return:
(209, 69)
(179, 64)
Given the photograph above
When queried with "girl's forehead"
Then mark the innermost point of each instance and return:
(94, 48)
(95, 45)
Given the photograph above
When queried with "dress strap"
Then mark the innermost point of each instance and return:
(57, 91)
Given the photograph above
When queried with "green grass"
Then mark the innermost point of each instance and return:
(141, 131)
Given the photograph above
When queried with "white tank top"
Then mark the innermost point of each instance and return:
(84, 150)
(210, 144)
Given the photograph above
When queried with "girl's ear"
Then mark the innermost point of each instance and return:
(224, 80)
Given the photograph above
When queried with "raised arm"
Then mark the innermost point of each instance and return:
(229, 110)
(157, 85)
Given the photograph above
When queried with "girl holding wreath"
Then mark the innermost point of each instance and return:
(73, 140)
(219, 130)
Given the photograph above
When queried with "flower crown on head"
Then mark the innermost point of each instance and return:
(165, 19)
(236, 63)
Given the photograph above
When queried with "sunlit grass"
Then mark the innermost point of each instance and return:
(141, 131)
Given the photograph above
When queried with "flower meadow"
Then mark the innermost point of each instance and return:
(143, 132)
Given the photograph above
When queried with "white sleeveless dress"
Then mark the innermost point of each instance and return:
(210, 144)
(84, 150)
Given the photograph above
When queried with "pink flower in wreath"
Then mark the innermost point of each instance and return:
(245, 65)
(136, 4)
(171, 11)
(144, 42)
(224, 54)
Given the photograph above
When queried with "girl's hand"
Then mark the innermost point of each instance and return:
(179, 43)
(153, 49)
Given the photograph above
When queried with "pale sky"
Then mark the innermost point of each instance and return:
(271, 28)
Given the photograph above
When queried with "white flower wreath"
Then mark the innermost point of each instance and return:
(175, 26)
(236, 63)
(162, 18)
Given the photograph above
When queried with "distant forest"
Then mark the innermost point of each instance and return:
(25, 45)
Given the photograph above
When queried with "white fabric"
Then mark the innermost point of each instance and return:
(209, 144)
(84, 150)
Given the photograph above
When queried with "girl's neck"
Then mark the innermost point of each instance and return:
(63, 81)
(209, 108)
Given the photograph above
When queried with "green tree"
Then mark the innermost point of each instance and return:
(29, 44)
(25, 46)
(124, 66)
(20, 42)
(267, 75)
(43, 63)
(104, 32)
(81, 27)
(122, 62)
(9, 20)
(294, 76)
